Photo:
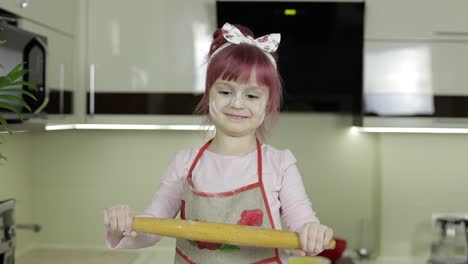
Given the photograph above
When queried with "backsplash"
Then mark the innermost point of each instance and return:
(395, 181)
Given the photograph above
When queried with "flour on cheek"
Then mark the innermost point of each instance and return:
(212, 108)
(263, 107)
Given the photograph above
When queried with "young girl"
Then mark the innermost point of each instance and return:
(233, 178)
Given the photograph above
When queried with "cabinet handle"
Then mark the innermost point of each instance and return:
(61, 88)
(451, 33)
(92, 68)
(34, 227)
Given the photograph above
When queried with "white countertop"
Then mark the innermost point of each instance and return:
(147, 256)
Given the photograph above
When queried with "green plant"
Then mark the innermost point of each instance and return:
(10, 93)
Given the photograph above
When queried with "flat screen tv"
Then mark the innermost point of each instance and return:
(321, 50)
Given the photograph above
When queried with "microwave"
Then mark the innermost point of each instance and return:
(29, 49)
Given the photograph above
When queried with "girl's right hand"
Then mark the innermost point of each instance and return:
(118, 220)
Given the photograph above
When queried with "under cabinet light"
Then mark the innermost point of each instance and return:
(413, 130)
(128, 127)
(59, 127)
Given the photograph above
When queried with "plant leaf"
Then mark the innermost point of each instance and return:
(226, 248)
(17, 90)
(11, 108)
(3, 157)
(5, 125)
(13, 98)
(2, 41)
(15, 75)
(29, 84)
(16, 69)
(4, 81)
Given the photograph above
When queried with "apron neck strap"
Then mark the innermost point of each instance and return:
(204, 147)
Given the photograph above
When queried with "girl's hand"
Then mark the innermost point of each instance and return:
(118, 220)
(314, 238)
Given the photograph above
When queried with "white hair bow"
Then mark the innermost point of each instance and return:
(268, 43)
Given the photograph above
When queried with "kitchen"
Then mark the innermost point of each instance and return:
(378, 191)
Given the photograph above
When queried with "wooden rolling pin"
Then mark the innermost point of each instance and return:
(220, 233)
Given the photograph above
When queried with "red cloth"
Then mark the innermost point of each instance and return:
(335, 254)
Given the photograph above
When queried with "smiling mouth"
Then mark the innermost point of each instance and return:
(237, 116)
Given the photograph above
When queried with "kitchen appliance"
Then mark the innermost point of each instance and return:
(335, 254)
(364, 250)
(321, 49)
(451, 240)
(29, 49)
(7, 232)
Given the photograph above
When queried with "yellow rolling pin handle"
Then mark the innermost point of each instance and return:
(220, 233)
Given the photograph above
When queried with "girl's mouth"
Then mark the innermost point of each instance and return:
(237, 117)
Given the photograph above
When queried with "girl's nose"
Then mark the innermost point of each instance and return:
(237, 102)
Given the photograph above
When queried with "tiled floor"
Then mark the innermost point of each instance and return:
(63, 256)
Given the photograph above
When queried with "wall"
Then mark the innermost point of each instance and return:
(395, 180)
(16, 182)
(421, 174)
(90, 170)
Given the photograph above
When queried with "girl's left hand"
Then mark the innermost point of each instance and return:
(314, 238)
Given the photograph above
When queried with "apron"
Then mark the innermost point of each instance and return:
(247, 205)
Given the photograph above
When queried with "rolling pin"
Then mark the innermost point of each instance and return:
(220, 233)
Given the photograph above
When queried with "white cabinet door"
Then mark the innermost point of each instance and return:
(186, 39)
(450, 68)
(451, 18)
(416, 19)
(398, 78)
(146, 57)
(59, 71)
(147, 45)
(414, 78)
(57, 14)
(398, 19)
(125, 44)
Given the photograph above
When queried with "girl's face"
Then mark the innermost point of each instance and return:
(237, 109)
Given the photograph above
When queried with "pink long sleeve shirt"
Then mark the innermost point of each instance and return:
(221, 173)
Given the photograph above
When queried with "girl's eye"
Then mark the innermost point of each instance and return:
(224, 92)
(251, 96)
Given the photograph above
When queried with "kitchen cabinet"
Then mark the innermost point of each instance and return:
(416, 78)
(59, 72)
(146, 57)
(449, 67)
(416, 53)
(57, 14)
(416, 19)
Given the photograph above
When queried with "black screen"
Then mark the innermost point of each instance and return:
(321, 49)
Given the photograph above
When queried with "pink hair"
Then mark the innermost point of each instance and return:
(236, 63)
